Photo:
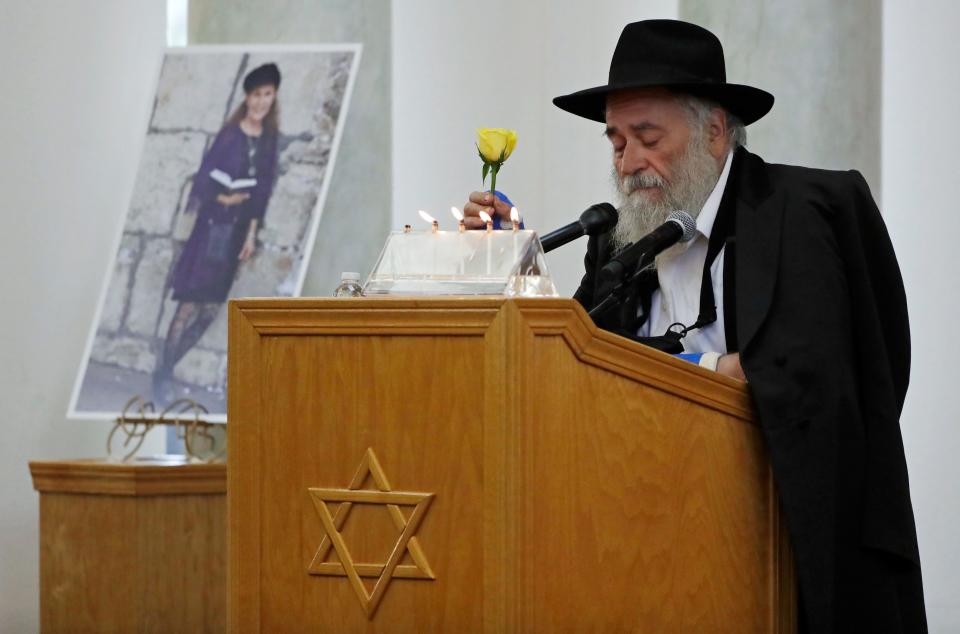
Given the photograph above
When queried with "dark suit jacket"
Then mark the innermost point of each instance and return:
(821, 322)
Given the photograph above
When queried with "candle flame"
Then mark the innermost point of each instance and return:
(484, 216)
(456, 213)
(514, 214)
(426, 216)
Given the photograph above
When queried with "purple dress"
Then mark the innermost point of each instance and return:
(205, 270)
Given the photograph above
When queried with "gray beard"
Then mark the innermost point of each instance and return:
(695, 174)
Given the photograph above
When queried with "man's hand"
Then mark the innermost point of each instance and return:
(484, 201)
(729, 364)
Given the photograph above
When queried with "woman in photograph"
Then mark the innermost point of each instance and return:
(229, 195)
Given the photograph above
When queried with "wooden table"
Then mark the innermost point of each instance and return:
(137, 547)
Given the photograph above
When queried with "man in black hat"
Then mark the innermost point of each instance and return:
(790, 283)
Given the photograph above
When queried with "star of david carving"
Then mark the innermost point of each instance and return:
(406, 541)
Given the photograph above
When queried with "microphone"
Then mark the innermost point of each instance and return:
(679, 227)
(597, 219)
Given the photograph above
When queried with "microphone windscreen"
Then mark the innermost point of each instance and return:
(599, 218)
(686, 222)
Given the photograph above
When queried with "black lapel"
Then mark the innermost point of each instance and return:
(759, 220)
(730, 295)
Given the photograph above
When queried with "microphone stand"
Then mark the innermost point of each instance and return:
(618, 294)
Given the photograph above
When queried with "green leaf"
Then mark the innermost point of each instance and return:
(486, 168)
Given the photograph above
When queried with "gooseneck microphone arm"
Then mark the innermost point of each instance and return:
(626, 266)
(598, 219)
(615, 298)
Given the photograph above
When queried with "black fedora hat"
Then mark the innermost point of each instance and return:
(675, 55)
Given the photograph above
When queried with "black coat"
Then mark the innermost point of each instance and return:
(820, 317)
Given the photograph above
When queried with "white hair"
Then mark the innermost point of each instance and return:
(699, 109)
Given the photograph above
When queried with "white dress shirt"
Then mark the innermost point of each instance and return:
(680, 270)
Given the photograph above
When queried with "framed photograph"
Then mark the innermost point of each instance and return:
(236, 163)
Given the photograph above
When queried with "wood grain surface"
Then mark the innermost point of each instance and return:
(581, 482)
(96, 476)
(131, 548)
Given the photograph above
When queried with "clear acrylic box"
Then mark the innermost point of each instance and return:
(481, 262)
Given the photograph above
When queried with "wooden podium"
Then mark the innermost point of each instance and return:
(489, 465)
(131, 547)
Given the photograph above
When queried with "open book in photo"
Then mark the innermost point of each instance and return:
(232, 184)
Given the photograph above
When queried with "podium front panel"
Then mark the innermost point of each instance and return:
(483, 465)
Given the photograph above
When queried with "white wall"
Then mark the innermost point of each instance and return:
(921, 139)
(77, 87)
(822, 61)
(459, 65)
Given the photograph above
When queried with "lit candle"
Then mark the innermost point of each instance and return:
(515, 221)
(433, 221)
(459, 216)
(484, 216)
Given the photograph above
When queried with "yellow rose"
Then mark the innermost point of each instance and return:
(496, 144)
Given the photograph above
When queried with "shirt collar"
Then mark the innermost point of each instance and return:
(708, 214)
